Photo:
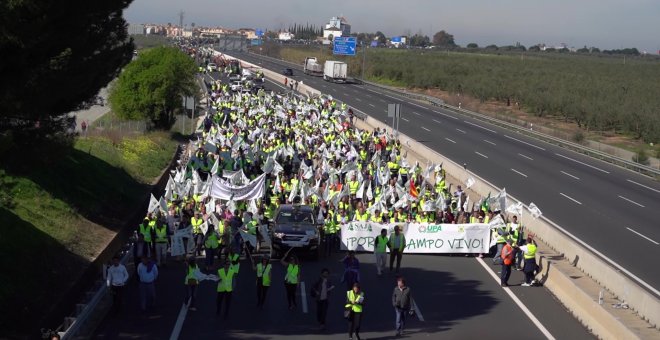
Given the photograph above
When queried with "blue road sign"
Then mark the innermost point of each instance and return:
(374, 43)
(259, 32)
(396, 39)
(344, 46)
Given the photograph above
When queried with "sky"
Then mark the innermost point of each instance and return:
(606, 24)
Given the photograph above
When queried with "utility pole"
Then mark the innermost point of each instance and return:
(364, 58)
(181, 15)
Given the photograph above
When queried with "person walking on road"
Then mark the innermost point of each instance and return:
(321, 291)
(160, 231)
(507, 261)
(117, 278)
(225, 288)
(191, 282)
(147, 273)
(211, 245)
(292, 277)
(354, 302)
(397, 244)
(529, 268)
(380, 251)
(402, 302)
(351, 270)
(263, 270)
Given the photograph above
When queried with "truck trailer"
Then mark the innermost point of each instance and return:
(312, 67)
(335, 71)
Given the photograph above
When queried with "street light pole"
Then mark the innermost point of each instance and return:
(364, 57)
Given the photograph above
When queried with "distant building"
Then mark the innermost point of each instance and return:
(285, 36)
(337, 27)
(136, 29)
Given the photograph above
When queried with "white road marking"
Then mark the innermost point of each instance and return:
(631, 201)
(303, 295)
(358, 99)
(517, 301)
(518, 172)
(382, 100)
(426, 129)
(489, 142)
(368, 95)
(346, 94)
(479, 126)
(444, 114)
(450, 140)
(480, 154)
(437, 121)
(585, 164)
(643, 186)
(569, 175)
(372, 105)
(405, 119)
(638, 233)
(179, 321)
(418, 312)
(417, 113)
(570, 198)
(459, 130)
(417, 105)
(522, 141)
(324, 86)
(530, 158)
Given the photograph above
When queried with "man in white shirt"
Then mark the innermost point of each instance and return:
(117, 276)
(147, 273)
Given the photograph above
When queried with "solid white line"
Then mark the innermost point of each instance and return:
(444, 114)
(459, 130)
(405, 119)
(518, 172)
(417, 113)
(179, 321)
(437, 121)
(358, 99)
(522, 141)
(585, 164)
(489, 142)
(479, 126)
(631, 201)
(303, 296)
(517, 301)
(530, 158)
(450, 140)
(480, 154)
(417, 105)
(570, 198)
(372, 105)
(643, 186)
(415, 306)
(569, 175)
(426, 129)
(638, 233)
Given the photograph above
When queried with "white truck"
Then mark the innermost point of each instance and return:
(312, 67)
(335, 71)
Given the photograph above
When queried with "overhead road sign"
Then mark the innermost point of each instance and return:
(344, 46)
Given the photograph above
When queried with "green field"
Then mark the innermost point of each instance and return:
(597, 93)
(58, 209)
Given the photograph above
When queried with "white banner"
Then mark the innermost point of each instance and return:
(225, 191)
(177, 241)
(422, 238)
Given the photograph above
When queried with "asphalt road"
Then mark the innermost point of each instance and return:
(457, 296)
(611, 209)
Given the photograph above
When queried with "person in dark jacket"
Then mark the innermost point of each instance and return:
(402, 302)
(321, 291)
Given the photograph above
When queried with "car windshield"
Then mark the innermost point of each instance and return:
(295, 217)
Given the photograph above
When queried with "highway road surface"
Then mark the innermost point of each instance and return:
(611, 209)
(458, 297)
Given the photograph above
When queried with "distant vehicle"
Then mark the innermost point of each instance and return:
(287, 72)
(234, 77)
(259, 83)
(312, 67)
(236, 86)
(295, 226)
(335, 71)
(212, 67)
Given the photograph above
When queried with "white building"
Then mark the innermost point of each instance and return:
(285, 36)
(337, 27)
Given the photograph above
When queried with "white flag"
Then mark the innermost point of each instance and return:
(534, 210)
(515, 209)
(360, 193)
(470, 182)
(153, 204)
(370, 195)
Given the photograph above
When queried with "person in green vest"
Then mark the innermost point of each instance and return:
(263, 269)
(160, 232)
(529, 253)
(225, 288)
(353, 310)
(211, 245)
(145, 229)
(397, 243)
(291, 278)
(191, 282)
(380, 250)
(234, 258)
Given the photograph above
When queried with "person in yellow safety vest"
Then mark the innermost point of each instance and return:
(362, 215)
(397, 244)
(474, 217)
(380, 250)
(394, 167)
(191, 282)
(234, 259)
(291, 278)
(377, 217)
(225, 288)
(502, 237)
(161, 243)
(145, 229)
(398, 216)
(515, 234)
(530, 267)
(353, 186)
(263, 269)
(421, 217)
(330, 228)
(353, 307)
(211, 245)
(196, 222)
(363, 155)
